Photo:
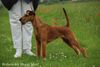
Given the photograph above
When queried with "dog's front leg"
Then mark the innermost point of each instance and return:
(38, 44)
(44, 50)
(38, 48)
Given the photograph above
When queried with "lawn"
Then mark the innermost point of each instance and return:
(84, 21)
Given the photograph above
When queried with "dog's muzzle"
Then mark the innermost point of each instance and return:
(21, 21)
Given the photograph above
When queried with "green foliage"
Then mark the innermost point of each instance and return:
(84, 21)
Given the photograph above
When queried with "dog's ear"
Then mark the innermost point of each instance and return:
(28, 12)
(32, 13)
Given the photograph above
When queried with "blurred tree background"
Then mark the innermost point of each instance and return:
(0, 2)
(53, 1)
(65, 0)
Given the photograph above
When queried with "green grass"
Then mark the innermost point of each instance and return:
(84, 21)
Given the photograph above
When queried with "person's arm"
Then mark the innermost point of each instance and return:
(8, 3)
(35, 4)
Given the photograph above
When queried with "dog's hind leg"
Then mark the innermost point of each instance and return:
(72, 46)
(75, 46)
(82, 50)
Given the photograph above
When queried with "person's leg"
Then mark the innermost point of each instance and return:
(14, 15)
(27, 30)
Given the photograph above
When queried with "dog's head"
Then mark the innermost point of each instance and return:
(29, 16)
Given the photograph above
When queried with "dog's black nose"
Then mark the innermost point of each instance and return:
(20, 19)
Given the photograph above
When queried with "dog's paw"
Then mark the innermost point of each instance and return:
(44, 59)
(85, 53)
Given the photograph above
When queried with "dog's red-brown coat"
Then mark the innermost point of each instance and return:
(45, 34)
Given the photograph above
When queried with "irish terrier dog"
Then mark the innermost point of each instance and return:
(45, 34)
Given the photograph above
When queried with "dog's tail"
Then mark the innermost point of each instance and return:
(66, 17)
